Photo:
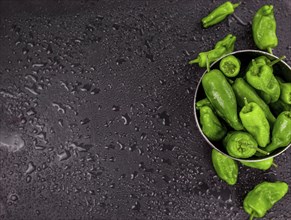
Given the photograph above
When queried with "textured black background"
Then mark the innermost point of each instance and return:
(101, 94)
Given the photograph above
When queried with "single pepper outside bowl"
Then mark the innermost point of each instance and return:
(281, 69)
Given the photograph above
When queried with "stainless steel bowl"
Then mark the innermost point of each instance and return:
(281, 69)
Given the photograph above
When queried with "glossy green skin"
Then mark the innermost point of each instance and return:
(263, 60)
(219, 14)
(222, 47)
(203, 102)
(225, 167)
(255, 122)
(242, 89)
(285, 95)
(281, 133)
(240, 144)
(264, 28)
(262, 198)
(261, 77)
(222, 98)
(211, 126)
(230, 66)
(261, 165)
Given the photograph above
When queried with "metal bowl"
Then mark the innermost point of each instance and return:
(281, 69)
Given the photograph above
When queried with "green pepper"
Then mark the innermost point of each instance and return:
(261, 165)
(221, 96)
(219, 14)
(262, 198)
(211, 126)
(261, 77)
(281, 133)
(222, 47)
(285, 94)
(255, 122)
(230, 66)
(225, 167)
(241, 144)
(203, 102)
(263, 60)
(264, 28)
(243, 90)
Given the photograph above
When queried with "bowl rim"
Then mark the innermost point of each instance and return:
(195, 110)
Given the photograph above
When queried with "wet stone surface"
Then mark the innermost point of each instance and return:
(96, 111)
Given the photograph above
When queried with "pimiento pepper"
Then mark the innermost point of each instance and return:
(262, 198)
(261, 77)
(243, 90)
(255, 122)
(225, 167)
(285, 94)
(230, 66)
(222, 47)
(241, 144)
(281, 133)
(221, 96)
(263, 60)
(219, 14)
(203, 102)
(264, 28)
(261, 165)
(211, 126)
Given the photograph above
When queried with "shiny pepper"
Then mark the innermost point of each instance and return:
(285, 94)
(243, 90)
(222, 98)
(255, 122)
(261, 165)
(225, 167)
(219, 14)
(262, 198)
(264, 28)
(261, 77)
(203, 102)
(222, 47)
(211, 126)
(230, 66)
(240, 144)
(281, 133)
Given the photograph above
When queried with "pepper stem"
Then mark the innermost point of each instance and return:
(275, 165)
(193, 61)
(252, 216)
(277, 60)
(270, 50)
(207, 64)
(246, 101)
(261, 151)
(235, 5)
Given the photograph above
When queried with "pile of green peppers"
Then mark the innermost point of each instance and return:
(237, 108)
(247, 113)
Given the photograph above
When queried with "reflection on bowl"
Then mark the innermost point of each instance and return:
(281, 69)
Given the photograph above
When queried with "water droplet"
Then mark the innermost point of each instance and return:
(14, 197)
(95, 91)
(64, 155)
(31, 112)
(136, 206)
(165, 118)
(115, 108)
(31, 168)
(126, 119)
(85, 121)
